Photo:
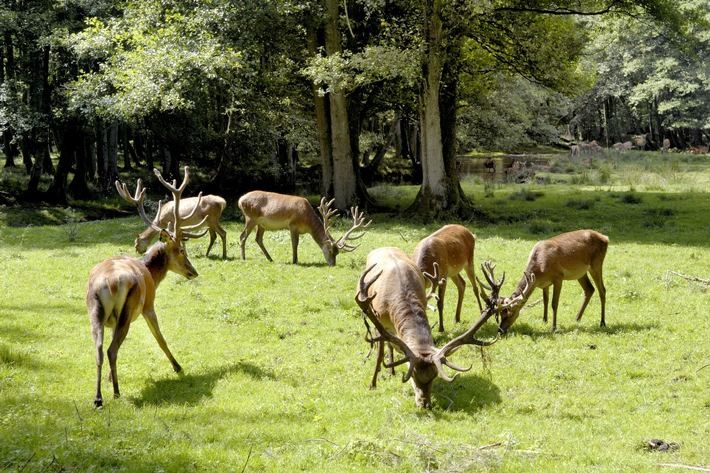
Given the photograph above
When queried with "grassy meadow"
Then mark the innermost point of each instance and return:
(276, 369)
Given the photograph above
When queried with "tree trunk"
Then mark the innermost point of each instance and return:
(102, 155)
(344, 181)
(322, 122)
(79, 188)
(7, 73)
(432, 198)
(112, 153)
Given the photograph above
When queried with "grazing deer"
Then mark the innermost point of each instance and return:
(123, 287)
(394, 300)
(210, 210)
(666, 145)
(562, 258)
(272, 211)
(451, 247)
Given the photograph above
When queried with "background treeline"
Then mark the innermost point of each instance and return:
(271, 93)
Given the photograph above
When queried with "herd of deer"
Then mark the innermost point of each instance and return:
(392, 291)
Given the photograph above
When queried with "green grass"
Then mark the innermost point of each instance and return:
(276, 370)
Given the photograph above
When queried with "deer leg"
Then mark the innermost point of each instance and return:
(213, 237)
(472, 279)
(223, 235)
(97, 331)
(248, 227)
(588, 291)
(556, 289)
(391, 357)
(294, 244)
(152, 321)
(440, 304)
(461, 287)
(119, 335)
(378, 363)
(599, 282)
(260, 241)
(545, 301)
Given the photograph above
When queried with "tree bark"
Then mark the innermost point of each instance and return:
(344, 180)
(322, 123)
(432, 198)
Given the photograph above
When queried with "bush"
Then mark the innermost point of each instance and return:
(630, 198)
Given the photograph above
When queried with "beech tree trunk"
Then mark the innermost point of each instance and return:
(344, 179)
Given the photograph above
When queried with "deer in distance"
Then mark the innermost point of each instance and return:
(395, 301)
(569, 256)
(452, 248)
(209, 211)
(272, 211)
(123, 287)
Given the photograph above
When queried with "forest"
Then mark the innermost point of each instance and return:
(331, 96)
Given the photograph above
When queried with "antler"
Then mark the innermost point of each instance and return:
(182, 232)
(487, 268)
(435, 281)
(529, 279)
(358, 221)
(137, 200)
(469, 337)
(365, 303)
(329, 216)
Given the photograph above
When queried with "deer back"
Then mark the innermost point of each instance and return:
(566, 257)
(451, 247)
(274, 211)
(400, 299)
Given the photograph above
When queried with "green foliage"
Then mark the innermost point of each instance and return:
(152, 59)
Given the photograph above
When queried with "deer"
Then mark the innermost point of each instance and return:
(666, 145)
(210, 210)
(452, 248)
(394, 300)
(273, 211)
(569, 256)
(121, 288)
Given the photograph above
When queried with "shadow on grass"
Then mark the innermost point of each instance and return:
(469, 393)
(523, 329)
(191, 389)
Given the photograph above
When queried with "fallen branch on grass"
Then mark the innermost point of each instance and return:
(687, 278)
(687, 467)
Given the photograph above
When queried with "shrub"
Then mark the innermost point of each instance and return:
(630, 198)
(525, 195)
(580, 204)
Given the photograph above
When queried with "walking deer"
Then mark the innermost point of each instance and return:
(272, 211)
(209, 210)
(394, 300)
(452, 247)
(562, 258)
(123, 287)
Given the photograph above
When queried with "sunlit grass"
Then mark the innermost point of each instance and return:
(276, 370)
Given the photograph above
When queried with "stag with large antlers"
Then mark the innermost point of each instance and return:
(209, 211)
(568, 256)
(451, 247)
(123, 287)
(272, 211)
(394, 299)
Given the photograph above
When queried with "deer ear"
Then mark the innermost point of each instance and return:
(164, 236)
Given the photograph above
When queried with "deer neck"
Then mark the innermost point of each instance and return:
(147, 234)
(412, 326)
(156, 260)
(520, 290)
(318, 230)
